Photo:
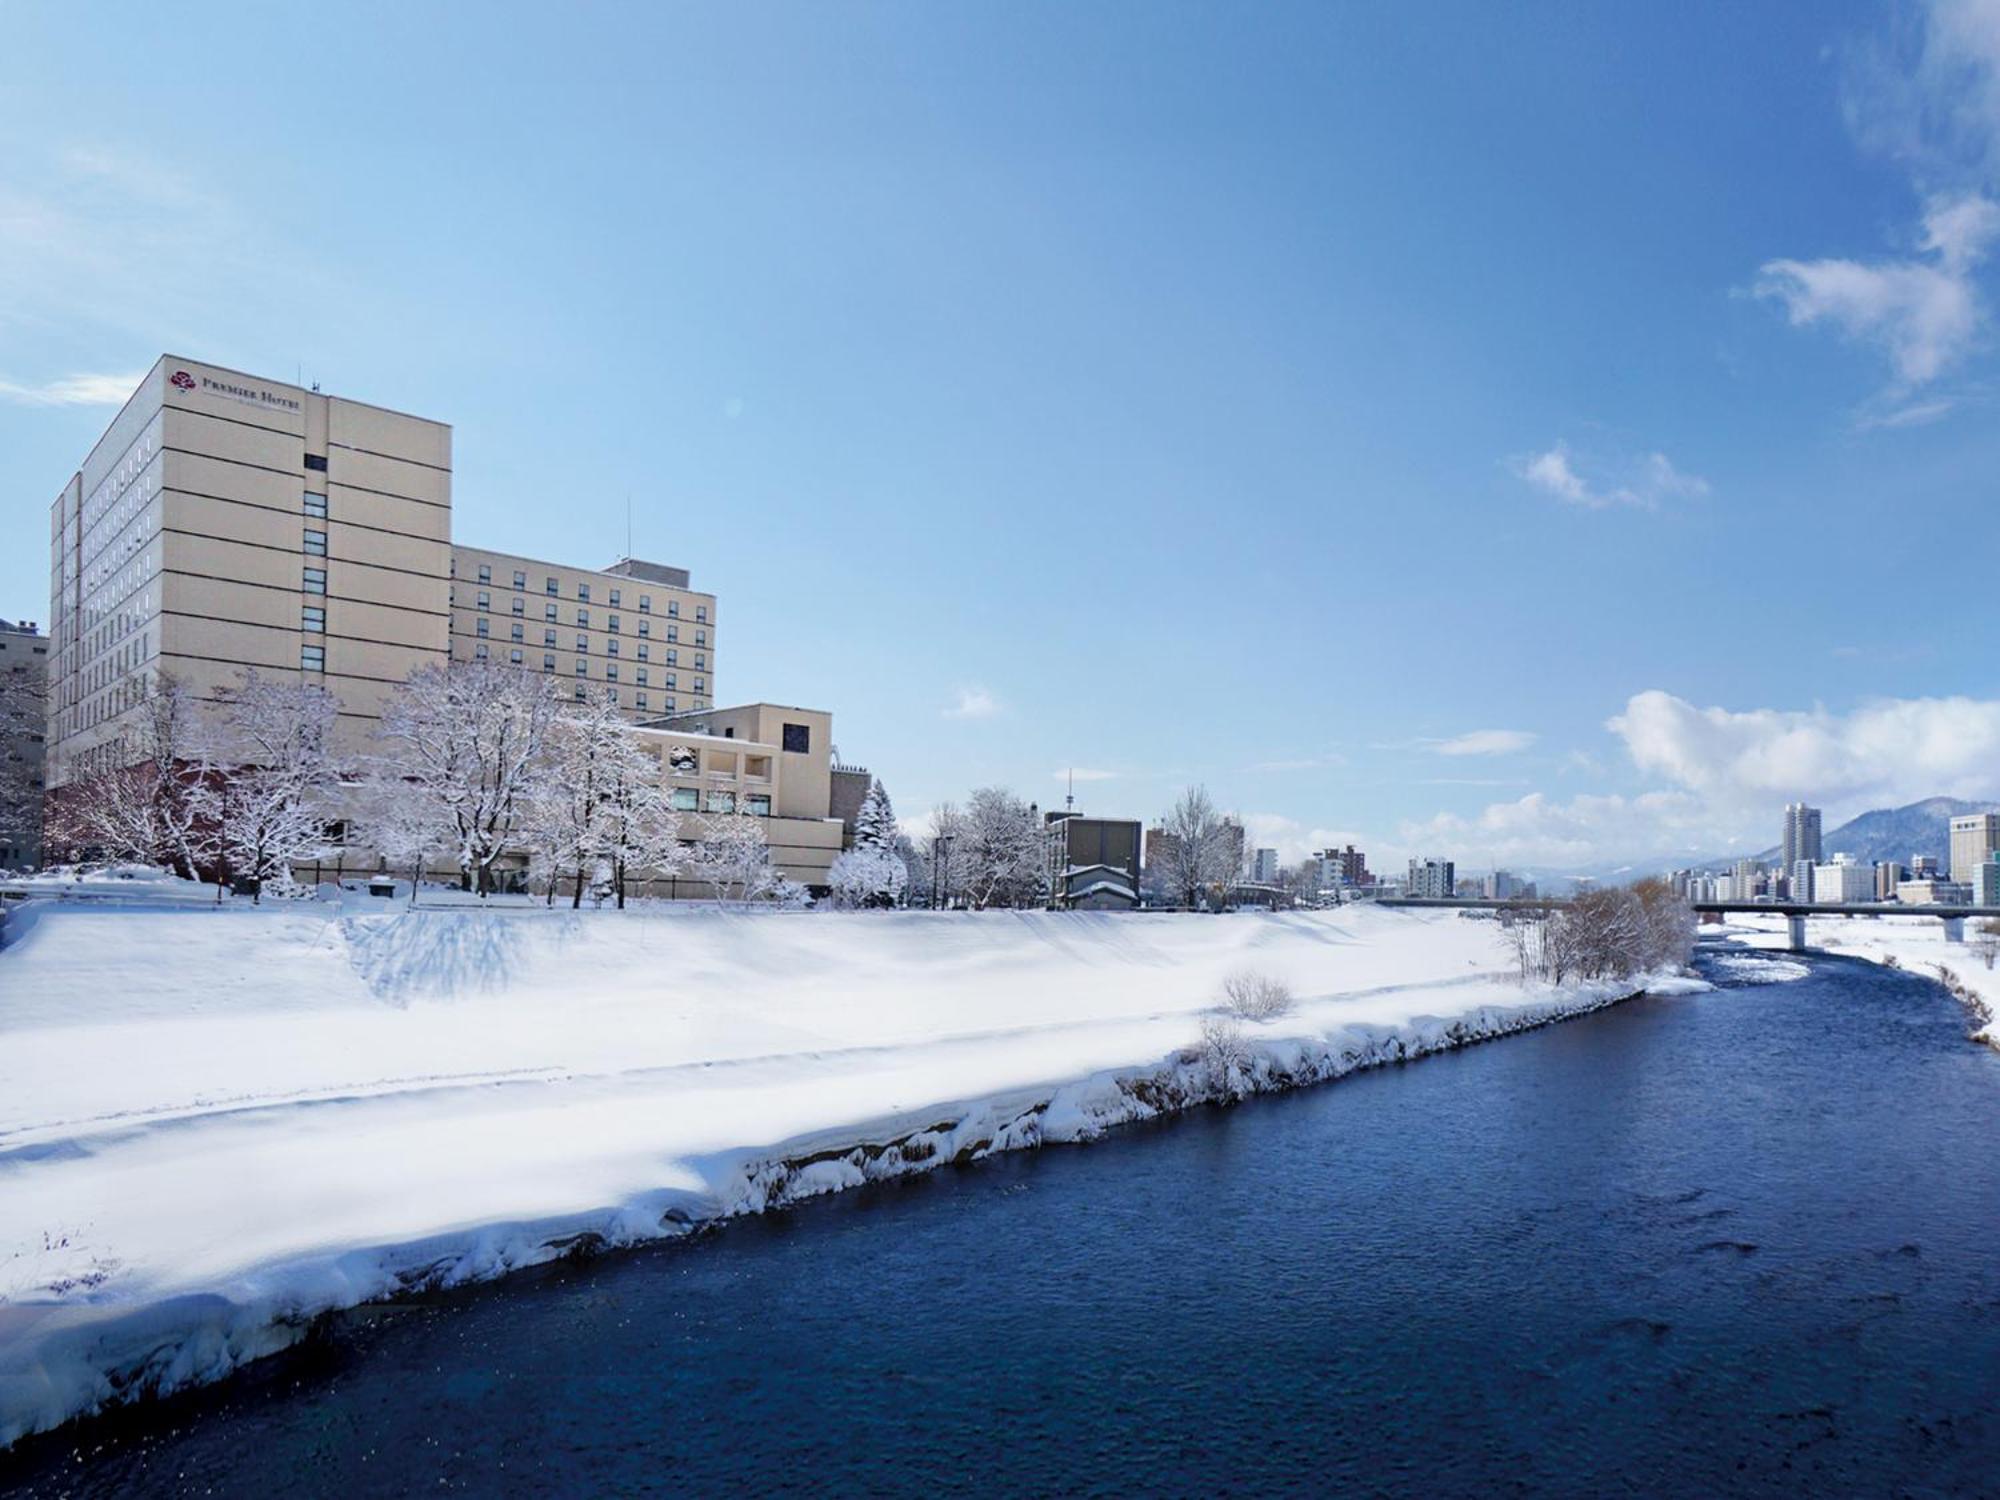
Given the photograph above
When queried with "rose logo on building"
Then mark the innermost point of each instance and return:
(181, 380)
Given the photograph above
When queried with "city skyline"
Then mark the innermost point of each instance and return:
(1376, 422)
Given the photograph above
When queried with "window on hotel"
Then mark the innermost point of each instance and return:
(798, 738)
(611, 671)
(644, 651)
(485, 599)
(316, 544)
(583, 617)
(480, 626)
(673, 657)
(673, 632)
(642, 700)
(645, 604)
(514, 657)
(700, 662)
(701, 611)
(674, 608)
(485, 572)
(515, 631)
(682, 760)
(548, 662)
(758, 804)
(316, 461)
(686, 798)
(721, 802)
(582, 667)
(312, 658)
(548, 612)
(611, 647)
(583, 592)
(313, 618)
(550, 587)
(315, 504)
(700, 686)
(670, 702)
(548, 637)
(642, 674)
(701, 637)
(520, 579)
(520, 606)
(577, 693)
(583, 643)
(645, 627)
(315, 582)
(612, 623)
(479, 652)
(670, 679)
(614, 603)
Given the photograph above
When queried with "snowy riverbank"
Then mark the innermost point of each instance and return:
(215, 1125)
(1917, 944)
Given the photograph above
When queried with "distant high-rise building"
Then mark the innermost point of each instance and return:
(1502, 885)
(1924, 867)
(1974, 840)
(1432, 878)
(1749, 877)
(1986, 884)
(1802, 879)
(1801, 839)
(1264, 868)
(1888, 875)
(1842, 880)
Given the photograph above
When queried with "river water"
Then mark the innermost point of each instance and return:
(1741, 1242)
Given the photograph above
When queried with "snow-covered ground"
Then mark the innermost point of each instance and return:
(1917, 944)
(215, 1124)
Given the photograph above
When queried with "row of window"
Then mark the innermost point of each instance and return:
(612, 623)
(518, 632)
(551, 586)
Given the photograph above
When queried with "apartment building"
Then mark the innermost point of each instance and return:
(226, 522)
(635, 630)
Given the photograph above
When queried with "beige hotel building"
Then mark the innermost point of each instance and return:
(225, 522)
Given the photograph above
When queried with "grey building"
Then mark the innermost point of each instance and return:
(1432, 878)
(1801, 840)
(24, 663)
(1093, 862)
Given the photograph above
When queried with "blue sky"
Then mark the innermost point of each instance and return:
(1542, 435)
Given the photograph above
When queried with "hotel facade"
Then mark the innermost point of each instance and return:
(226, 522)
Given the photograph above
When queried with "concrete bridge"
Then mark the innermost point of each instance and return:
(1794, 912)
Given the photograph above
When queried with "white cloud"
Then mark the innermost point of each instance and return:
(1884, 753)
(1485, 742)
(1642, 482)
(973, 703)
(1927, 314)
(1724, 775)
(74, 390)
(1083, 773)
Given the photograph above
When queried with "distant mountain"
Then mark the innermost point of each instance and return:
(1896, 833)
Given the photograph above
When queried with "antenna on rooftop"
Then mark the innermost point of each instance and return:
(628, 523)
(1069, 802)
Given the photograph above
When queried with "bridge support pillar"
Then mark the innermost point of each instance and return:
(1954, 929)
(1795, 932)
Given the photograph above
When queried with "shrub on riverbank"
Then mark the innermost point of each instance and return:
(1605, 934)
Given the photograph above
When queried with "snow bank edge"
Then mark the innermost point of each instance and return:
(60, 1361)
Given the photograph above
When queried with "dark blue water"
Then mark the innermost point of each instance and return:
(1745, 1242)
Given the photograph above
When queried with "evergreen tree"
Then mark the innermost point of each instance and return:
(875, 824)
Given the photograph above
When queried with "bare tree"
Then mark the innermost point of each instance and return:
(150, 807)
(942, 855)
(567, 820)
(730, 855)
(1986, 940)
(471, 740)
(642, 830)
(271, 800)
(1004, 849)
(1198, 852)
